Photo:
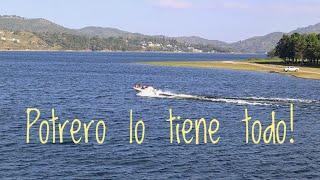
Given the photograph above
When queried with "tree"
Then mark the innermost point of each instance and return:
(282, 49)
(299, 44)
(297, 47)
(310, 52)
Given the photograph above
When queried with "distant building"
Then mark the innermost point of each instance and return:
(15, 40)
(150, 44)
(143, 44)
(197, 51)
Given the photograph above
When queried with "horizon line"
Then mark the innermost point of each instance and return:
(147, 34)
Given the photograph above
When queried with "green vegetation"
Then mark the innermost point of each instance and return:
(80, 42)
(17, 23)
(299, 49)
(23, 40)
(56, 37)
(104, 38)
(17, 40)
(264, 61)
(258, 44)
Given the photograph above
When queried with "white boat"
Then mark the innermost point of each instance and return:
(150, 91)
(139, 88)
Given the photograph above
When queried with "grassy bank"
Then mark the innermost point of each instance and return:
(272, 66)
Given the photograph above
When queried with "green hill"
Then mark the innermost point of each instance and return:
(17, 23)
(260, 44)
(310, 29)
(57, 37)
(22, 41)
(107, 32)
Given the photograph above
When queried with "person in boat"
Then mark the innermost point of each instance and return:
(139, 86)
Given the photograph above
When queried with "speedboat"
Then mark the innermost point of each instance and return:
(140, 88)
(144, 90)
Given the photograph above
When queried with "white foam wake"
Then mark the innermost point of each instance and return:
(284, 100)
(262, 101)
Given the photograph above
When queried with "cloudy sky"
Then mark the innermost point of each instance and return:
(227, 20)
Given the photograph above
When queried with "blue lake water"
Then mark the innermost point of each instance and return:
(99, 86)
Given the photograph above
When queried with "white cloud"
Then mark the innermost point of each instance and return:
(174, 4)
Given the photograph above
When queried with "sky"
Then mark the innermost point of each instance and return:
(225, 20)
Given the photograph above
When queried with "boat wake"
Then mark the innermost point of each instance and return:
(234, 100)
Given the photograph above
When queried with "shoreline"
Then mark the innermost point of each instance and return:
(168, 52)
(304, 72)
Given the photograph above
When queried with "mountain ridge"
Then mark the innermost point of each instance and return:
(257, 44)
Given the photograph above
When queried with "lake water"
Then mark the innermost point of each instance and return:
(99, 86)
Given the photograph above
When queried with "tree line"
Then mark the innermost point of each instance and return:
(299, 48)
(79, 42)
